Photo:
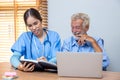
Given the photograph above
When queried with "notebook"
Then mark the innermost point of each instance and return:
(75, 64)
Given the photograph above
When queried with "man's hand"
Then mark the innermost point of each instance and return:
(83, 38)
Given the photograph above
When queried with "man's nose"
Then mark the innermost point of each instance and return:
(75, 29)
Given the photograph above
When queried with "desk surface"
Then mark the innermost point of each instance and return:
(107, 75)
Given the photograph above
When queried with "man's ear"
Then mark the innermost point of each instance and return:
(86, 28)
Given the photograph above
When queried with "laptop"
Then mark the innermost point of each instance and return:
(76, 64)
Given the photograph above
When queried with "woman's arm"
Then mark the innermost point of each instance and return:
(55, 48)
(15, 61)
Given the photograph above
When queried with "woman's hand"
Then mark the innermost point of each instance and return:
(27, 67)
(42, 58)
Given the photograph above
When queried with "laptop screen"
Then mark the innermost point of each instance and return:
(75, 64)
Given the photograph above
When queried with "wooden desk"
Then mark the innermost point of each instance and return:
(107, 75)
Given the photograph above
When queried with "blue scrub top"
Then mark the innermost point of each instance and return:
(29, 46)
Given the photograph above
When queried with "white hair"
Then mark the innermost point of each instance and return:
(83, 17)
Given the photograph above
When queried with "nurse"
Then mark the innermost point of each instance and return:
(36, 44)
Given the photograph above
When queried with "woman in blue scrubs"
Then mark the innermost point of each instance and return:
(36, 44)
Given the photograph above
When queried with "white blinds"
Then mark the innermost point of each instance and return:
(12, 24)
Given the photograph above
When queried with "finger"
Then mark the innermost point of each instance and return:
(79, 42)
(27, 66)
(24, 64)
(38, 59)
(32, 68)
(79, 35)
(82, 40)
(43, 58)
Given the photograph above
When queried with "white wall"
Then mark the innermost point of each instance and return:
(105, 22)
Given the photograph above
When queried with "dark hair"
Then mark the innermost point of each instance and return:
(32, 12)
